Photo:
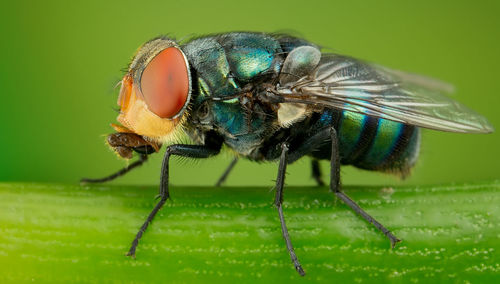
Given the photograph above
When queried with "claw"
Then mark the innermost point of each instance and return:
(394, 242)
(300, 270)
(131, 254)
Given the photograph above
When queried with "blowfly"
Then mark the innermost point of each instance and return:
(274, 97)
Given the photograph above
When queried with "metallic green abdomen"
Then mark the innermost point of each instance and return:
(377, 144)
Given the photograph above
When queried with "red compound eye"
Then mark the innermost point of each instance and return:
(165, 83)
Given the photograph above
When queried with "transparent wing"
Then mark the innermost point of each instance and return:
(349, 84)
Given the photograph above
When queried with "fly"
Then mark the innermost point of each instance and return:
(273, 97)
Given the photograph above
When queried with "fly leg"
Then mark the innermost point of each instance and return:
(125, 144)
(191, 151)
(278, 202)
(316, 172)
(310, 144)
(335, 188)
(229, 168)
(142, 158)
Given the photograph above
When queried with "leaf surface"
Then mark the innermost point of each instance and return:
(53, 233)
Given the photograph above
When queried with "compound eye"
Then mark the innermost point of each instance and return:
(165, 83)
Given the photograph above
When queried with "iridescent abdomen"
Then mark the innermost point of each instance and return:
(377, 144)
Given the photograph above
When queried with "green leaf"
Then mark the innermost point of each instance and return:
(66, 233)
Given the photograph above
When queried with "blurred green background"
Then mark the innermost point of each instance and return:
(61, 60)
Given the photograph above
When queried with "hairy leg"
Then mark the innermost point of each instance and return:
(278, 202)
(335, 188)
(316, 172)
(228, 170)
(192, 151)
(142, 158)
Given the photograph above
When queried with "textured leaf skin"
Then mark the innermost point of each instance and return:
(59, 233)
